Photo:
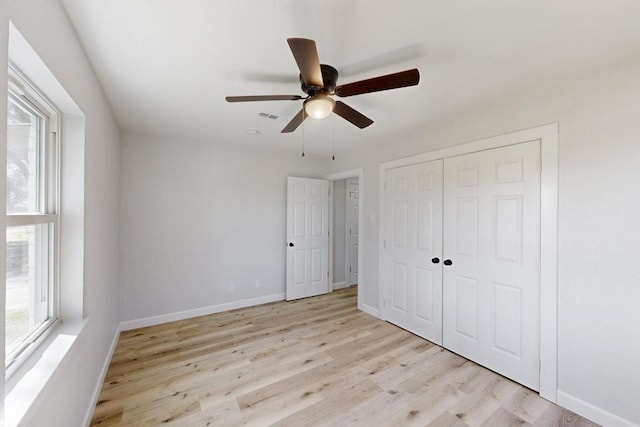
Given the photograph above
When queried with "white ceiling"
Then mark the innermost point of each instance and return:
(166, 65)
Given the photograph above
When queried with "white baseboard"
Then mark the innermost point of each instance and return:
(369, 310)
(592, 412)
(103, 374)
(340, 285)
(203, 311)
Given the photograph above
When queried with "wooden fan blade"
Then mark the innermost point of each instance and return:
(351, 115)
(376, 84)
(263, 98)
(295, 122)
(306, 56)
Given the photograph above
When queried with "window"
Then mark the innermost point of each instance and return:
(32, 218)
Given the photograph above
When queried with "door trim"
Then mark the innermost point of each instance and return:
(548, 137)
(351, 173)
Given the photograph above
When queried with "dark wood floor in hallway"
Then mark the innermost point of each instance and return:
(317, 361)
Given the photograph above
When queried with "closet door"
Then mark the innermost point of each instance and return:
(413, 298)
(491, 280)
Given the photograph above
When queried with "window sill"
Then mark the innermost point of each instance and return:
(26, 384)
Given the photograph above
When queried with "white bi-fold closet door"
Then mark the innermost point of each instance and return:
(414, 249)
(462, 256)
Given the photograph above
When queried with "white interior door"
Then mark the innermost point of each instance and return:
(492, 238)
(413, 279)
(352, 207)
(307, 237)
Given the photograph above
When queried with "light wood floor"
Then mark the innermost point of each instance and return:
(317, 361)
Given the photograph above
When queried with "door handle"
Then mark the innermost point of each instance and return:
(290, 244)
(435, 260)
(447, 262)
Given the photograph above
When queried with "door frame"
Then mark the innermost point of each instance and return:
(351, 173)
(548, 137)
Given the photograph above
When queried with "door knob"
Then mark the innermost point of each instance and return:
(435, 260)
(447, 262)
(291, 244)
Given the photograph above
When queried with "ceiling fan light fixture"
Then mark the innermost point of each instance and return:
(319, 106)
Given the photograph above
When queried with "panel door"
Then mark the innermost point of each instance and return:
(307, 237)
(492, 237)
(413, 278)
(352, 216)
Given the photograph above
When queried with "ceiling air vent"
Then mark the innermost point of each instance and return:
(268, 116)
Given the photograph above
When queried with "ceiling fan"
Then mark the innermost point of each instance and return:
(319, 83)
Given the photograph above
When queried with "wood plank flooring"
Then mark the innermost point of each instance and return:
(317, 361)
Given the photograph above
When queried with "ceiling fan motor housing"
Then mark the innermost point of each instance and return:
(329, 78)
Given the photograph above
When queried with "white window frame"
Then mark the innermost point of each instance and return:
(23, 90)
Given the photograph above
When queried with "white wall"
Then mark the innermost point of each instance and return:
(339, 231)
(599, 237)
(67, 396)
(197, 216)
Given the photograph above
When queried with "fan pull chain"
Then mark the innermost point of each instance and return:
(302, 112)
(333, 141)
